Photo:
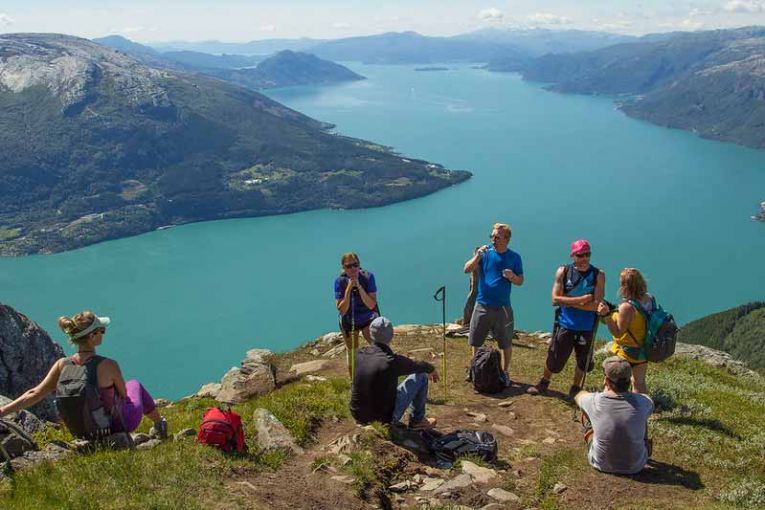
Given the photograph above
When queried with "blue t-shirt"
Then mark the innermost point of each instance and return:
(360, 312)
(493, 288)
(574, 319)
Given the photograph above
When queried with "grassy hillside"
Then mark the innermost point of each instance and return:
(708, 448)
(739, 331)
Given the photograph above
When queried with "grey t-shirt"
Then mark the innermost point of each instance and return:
(620, 424)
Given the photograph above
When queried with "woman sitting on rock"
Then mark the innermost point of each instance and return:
(92, 397)
(628, 326)
(356, 301)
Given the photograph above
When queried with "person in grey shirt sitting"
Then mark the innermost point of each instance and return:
(617, 441)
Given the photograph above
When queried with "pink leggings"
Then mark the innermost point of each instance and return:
(137, 404)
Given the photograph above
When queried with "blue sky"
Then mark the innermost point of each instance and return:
(240, 20)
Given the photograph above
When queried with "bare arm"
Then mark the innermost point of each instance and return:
(36, 394)
(597, 297)
(472, 263)
(559, 299)
(344, 304)
(623, 319)
(579, 396)
(112, 375)
(369, 299)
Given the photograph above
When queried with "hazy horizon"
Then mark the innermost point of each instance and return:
(239, 21)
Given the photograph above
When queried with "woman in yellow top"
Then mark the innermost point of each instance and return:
(628, 326)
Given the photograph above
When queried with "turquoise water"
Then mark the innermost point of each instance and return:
(186, 303)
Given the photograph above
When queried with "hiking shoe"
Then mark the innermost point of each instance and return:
(540, 388)
(573, 390)
(508, 381)
(159, 430)
(427, 423)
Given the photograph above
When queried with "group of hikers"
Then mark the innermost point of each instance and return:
(616, 418)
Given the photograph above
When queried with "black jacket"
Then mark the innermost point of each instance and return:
(373, 396)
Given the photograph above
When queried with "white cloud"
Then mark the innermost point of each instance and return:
(492, 15)
(267, 28)
(745, 6)
(687, 24)
(546, 18)
(341, 25)
(5, 20)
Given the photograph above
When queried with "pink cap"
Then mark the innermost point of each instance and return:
(580, 246)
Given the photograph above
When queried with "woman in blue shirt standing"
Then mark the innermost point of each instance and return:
(356, 301)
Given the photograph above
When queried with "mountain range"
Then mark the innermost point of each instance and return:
(97, 145)
(710, 82)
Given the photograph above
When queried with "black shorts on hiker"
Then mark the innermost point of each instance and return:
(346, 326)
(561, 346)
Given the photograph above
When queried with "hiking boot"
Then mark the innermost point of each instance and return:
(540, 388)
(506, 379)
(159, 430)
(427, 423)
(573, 390)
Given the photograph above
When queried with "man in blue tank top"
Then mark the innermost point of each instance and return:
(577, 290)
(499, 268)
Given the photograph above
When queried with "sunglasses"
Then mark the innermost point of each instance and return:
(582, 255)
(101, 330)
(352, 265)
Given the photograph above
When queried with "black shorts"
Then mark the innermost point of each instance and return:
(346, 326)
(561, 346)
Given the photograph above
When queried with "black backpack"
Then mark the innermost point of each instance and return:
(79, 402)
(486, 371)
(465, 442)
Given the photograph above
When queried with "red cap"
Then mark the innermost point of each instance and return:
(580, 246)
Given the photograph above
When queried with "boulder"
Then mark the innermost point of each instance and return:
(256, 376)
(559, 488)
(53, 451)
(272, 433)
(335, 351)
(26, 355)
(331, 339)
(309, 367)
(28, 422)
(503, 429)
(477, 473)
(458, 482)
(209, 390)
(503, 496)
(14, 441)
(431, 484)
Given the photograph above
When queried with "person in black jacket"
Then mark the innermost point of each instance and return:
(376, 394)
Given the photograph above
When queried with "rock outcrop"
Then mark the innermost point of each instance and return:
(256, 376)
(26, 355)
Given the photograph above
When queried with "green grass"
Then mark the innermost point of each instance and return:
(175, 474)
(9, 233)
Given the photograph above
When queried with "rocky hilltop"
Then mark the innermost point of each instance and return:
(26, 355)
(97, 145)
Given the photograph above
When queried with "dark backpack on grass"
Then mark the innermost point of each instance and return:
(486, 371)
(465, 442)
(222, 429)
(79, 402)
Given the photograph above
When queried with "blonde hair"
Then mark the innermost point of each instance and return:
(73, 325)
(348, 256)
(632, 284)
(503, 227)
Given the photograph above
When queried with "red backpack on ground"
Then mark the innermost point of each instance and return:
(222, 429)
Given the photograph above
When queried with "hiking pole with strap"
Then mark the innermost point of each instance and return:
(440, 295)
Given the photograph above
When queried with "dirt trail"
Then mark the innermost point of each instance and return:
(539, 445)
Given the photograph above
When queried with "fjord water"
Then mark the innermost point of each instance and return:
(187, 303)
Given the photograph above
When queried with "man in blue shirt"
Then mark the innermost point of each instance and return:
(499, 269)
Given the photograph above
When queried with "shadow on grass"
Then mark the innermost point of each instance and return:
(711, 424)
(661, 473)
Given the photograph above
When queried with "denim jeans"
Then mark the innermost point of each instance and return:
(412, 394)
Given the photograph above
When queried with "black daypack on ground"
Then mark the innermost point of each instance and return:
(465, 442)
(486, 371)
(78, 401)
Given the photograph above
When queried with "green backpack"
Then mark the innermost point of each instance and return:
(660, 332)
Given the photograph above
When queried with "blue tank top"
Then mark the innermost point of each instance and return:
(577, 283)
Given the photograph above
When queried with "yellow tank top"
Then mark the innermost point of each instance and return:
(630, 346)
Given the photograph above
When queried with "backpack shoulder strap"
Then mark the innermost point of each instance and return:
(91, 366)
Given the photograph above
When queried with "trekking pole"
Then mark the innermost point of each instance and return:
(353, 341)
(590, 361)
(440, 295)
